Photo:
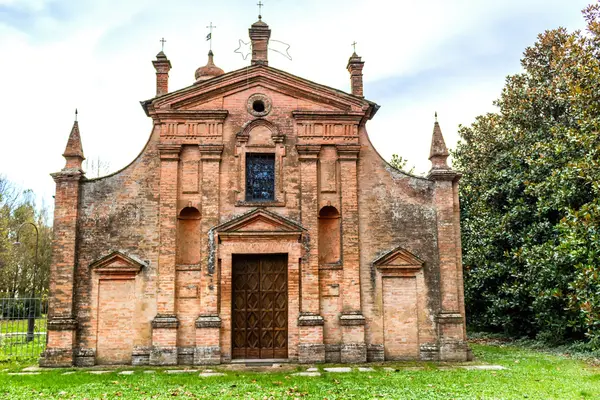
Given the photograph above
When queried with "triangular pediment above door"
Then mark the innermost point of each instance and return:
(259, 222)
(398, 258)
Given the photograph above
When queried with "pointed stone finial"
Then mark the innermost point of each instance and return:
(74, 150)
(438, 154)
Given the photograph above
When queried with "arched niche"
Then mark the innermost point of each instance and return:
(329, 235)
(188, 236)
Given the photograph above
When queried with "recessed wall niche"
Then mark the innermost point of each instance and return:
(188, 236)
(329, 235)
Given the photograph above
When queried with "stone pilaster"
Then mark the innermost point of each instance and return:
(310, 348)
(165, 324)
(61, 320)
(208, 324)
(352, 321)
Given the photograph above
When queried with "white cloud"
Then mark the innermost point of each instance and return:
(96, 56)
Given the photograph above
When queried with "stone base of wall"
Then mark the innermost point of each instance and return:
(85, 357)
(163, 356)
(375, 353)
(353, 353)
(56, 358)
(311, 353)
(185, 355)
(141, 355)
(454, 350)
(332, 353)
(207, 355)
(429, 352)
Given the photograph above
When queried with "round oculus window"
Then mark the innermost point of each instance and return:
(259, 105)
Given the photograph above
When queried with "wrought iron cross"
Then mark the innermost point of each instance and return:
(260, 4)
(162, 44)
(211, 26)
(354, 45)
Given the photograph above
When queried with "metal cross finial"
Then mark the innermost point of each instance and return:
(162, 44)
(260, 4)
(354, 45)
(436, 117)
(75, 115)
(209, 36)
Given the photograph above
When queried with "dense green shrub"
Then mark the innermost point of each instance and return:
(530, 195)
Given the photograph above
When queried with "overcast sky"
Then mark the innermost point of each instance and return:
(449, 56)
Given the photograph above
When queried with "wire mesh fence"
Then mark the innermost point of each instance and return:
(22, 327)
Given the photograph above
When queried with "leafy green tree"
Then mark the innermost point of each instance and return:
(400, 163)
(530, 194)
(20, 272)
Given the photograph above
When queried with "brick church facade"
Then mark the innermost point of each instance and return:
(257, 223)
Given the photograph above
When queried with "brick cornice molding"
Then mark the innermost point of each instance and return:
(169, 152)
(308, 152)
(328, 116)
(348, 152)
(241, 79)
(161, 116)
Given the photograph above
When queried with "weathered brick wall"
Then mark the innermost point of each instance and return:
(395, 210)
(120, 212)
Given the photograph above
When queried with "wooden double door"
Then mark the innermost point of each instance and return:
(259, 306)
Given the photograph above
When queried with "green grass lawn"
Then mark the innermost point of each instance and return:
(530, 375)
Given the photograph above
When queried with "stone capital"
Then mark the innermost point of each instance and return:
(210, 152)
(306, 319)
(164, 321)
(444, 175)
(352, 319)
(62, 324)
(67, 175)
(308, 152)
(208, 321)
(169, 152)
(348, 152)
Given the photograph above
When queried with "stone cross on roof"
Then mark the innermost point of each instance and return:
(260, 4)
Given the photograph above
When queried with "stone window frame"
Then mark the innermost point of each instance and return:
(277, 148)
